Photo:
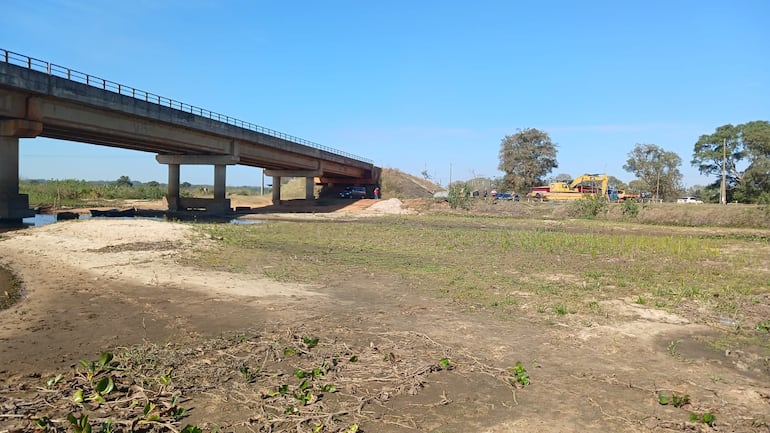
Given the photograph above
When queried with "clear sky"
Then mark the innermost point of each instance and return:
(413, 85)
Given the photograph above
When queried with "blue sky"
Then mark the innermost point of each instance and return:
(413, 85)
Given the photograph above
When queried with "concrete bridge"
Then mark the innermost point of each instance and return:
(40, 99)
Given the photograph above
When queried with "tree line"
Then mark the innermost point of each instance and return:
(529, 155)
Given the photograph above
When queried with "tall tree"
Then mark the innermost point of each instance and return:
(526, 157)
(711, 150)
(755, 183)
(657, 168)
(746, 144)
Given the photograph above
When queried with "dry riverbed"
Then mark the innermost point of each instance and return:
(373, 354)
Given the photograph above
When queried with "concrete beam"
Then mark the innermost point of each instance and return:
(20, 128)
(198, 159)
(348, 180)
(293, 173)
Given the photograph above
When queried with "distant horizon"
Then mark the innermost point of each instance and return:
(268, 185)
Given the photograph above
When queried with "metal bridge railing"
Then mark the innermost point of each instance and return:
(100, 83)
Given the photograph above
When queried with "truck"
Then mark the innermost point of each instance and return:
(578, 189)
(621, 195)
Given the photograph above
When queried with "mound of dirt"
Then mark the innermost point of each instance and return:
(396, 183)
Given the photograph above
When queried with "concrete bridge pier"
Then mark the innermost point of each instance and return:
(220, 204)
(276, 190)
(309, 176)
(13, 206)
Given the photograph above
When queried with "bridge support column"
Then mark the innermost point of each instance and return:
(173, 187)
(220, 204)
(310, 188)
(309, 176)
(13, 206)
(220, 177)
(276, 190)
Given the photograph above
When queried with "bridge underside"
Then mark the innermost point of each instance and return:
(34, 104)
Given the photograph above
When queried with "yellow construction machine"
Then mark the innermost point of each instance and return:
(587, 184)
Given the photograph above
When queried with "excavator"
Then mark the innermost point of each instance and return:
(586, 184)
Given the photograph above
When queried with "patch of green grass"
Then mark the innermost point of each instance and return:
(470, 258)
(595, 308)
(560, 310)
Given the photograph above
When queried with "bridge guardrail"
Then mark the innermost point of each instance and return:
(111, 86)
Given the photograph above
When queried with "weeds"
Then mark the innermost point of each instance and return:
(297, 393)
(706, 418)
(764, 325)
(674, 400)
(673, 348)
(519, 375)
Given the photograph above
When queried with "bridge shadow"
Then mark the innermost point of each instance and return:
(304, 206)
(297, 206)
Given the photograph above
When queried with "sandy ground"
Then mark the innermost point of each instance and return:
(104, 283)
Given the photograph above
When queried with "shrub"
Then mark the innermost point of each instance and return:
(630, 208)
(460, 196)
(589, 207)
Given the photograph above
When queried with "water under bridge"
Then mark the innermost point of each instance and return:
(41, 99)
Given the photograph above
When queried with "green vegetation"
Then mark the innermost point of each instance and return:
(110, 390)
(589, 208)
(486, 261)
(674, 400)
(79, 192)
(706, 418)
(519, 375)
(630, 209)
(459, 196)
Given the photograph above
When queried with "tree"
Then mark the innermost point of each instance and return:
(617, 183)
(657, 168)
(525, 158)
(711, 150)
(746, 144)
(563, 177)
(755, 183)
(124, 181)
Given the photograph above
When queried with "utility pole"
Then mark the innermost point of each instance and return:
(723, 190)
(450, 174)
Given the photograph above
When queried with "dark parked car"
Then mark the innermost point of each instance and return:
(507, 196)
(354, 192)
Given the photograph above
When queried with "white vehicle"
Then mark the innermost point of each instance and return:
(695, 200)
